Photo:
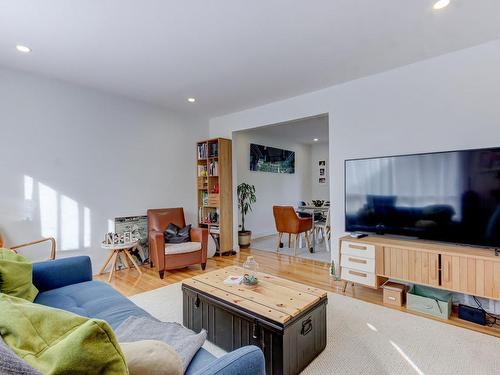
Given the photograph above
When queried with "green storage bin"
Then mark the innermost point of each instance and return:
(430, 301)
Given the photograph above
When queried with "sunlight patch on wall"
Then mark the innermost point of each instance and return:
(48, 211)
(61, 217)
(28, 188)
(111, 225)
(69, 224)
(86, 227)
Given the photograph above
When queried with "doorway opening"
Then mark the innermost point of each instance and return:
(288, 163)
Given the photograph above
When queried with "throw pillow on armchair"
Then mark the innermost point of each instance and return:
(174, 234)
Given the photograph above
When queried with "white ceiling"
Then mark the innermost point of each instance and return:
(298, 131)
(232, 54)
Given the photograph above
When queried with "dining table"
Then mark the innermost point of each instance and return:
(313, 210)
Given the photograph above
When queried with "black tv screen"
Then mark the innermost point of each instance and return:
(446, 196)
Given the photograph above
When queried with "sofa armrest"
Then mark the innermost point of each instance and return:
(200, 235)
(248, 360)
(53, 274)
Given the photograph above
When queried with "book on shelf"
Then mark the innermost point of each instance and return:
(202, 170)
(202, 151)
(215, 229)
(213, 150)
(213, 168)
(204, 198)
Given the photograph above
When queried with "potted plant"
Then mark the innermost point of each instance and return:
(246, 198)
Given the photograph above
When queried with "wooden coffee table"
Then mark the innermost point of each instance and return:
(287, 320)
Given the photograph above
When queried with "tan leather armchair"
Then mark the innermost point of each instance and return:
(167, 257)
(287, 221)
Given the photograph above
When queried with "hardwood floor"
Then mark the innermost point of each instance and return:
(306, 271)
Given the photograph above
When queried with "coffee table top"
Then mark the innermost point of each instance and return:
(273, 297)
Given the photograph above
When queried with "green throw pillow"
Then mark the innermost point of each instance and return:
(55, 341)
(16, 275)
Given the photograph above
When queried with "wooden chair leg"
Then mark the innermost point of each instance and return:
(295, 245)
(280, 235)
(289, 235)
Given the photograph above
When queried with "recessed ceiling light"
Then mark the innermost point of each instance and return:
(191, 100)
(440, 4)
(23, 49)
(315, 139)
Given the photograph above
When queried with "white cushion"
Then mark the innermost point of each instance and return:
(181, 248)
(151, 357)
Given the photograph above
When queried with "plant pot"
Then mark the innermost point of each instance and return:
(244, 238)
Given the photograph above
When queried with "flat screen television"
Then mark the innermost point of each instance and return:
(444, 196)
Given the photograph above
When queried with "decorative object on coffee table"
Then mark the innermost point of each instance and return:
(251, 267)
(287, 320)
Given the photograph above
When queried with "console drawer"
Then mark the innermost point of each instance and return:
(358, 249)
(358, 263)
(358, 277)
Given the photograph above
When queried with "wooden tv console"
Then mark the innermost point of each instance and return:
(371, 260)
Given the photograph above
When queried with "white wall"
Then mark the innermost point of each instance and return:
(319, 191)
(87, 152)
(271, 188)
(447, 102)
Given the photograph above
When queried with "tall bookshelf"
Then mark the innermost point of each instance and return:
(215, 191)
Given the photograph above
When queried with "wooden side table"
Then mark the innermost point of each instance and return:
(122, 251)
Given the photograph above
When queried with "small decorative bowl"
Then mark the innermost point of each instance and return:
(249, 279)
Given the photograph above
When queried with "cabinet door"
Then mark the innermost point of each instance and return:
(411, 265)
(448, 280)
(459, 274)
(433, 269)
(488, 278)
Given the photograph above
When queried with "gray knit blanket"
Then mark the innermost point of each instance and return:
(185, 342)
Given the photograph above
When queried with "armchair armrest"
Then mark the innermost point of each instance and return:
(52, 274)
(248, 360)
(52, 246)
(200, 235)
(157, 248)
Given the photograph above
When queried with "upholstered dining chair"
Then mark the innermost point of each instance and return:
(171, 256)
(287, 221)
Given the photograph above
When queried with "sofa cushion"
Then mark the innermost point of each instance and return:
(59, 342)
(92, 299)
(181, 248)
(16, 275)
(175, 234)
(151, 357)
(182, 339)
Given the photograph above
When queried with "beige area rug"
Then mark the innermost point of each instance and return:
(364, 338)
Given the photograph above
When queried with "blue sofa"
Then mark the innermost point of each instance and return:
(67, 284)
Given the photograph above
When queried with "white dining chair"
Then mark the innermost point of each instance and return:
(323, 227)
